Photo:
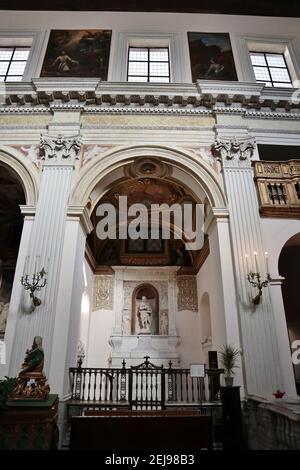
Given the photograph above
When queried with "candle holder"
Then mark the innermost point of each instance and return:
(255, 277)
(33, 284)
(256, 281)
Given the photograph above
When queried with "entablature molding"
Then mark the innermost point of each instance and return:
(205, 96)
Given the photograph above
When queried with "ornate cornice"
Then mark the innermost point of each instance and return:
(59, 151)
(234, 152)
(11, 110)
(81, 213)
(206, 96)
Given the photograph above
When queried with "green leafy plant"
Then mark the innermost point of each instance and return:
(229, 355)
(6, 387)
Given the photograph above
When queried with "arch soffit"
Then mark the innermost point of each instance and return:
(97, 169)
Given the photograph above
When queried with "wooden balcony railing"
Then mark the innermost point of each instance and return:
(278, 187)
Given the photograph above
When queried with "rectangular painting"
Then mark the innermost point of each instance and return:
(77, 53)
(211, 56)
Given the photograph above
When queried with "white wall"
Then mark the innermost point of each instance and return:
(276, 232)
(163, 22)
(189, 330)
(99, 330)
(207, 279)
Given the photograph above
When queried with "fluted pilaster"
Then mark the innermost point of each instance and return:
(46, 245)
(259, 341)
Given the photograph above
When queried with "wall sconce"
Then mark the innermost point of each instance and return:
(255, 278)
(33, 284)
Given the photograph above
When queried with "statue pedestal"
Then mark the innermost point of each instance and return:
(31, 386)
(134, 348)
(29, 424)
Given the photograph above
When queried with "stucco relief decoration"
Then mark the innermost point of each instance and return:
(187, 293)
(206, 154)
(103, 292)
(164, 296)
(32, 153)
(92, 151)
(56, 149)
(234, 150)
(126, 323)
(163, 322)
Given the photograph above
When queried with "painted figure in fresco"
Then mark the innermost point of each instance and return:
(214, 69)
(144, 314)
(63, 63)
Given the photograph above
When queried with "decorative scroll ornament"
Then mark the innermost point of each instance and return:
(187, 293)
(60, 151)
(103, 292)
(234, 150)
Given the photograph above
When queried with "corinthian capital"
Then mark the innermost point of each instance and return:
(58, 150)
(234, 152)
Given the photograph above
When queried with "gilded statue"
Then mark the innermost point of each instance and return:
(32, 383)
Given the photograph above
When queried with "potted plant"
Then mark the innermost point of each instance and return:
(6, 387)
(228, 356)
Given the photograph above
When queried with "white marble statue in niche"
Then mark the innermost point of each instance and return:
(144, 314)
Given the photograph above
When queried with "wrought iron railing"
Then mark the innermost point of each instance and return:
(145, 386)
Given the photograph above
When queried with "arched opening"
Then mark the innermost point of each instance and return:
(159, 250)
(289, 268)
(11, 224)
(146, 176)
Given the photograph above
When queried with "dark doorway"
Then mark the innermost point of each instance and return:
(289, 268)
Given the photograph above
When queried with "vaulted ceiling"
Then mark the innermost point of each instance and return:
(233, 7)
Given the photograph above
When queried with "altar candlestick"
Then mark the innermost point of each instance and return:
(267, 261)
(247, 263)
(26, 264)
(256, 264)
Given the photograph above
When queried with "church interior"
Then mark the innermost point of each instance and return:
(149, 226)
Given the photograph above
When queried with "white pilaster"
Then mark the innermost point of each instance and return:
(17, 291)
(172, 299)
(45, 248)
(68, 305)
(224, 282)
(118, 300)
(259, 339)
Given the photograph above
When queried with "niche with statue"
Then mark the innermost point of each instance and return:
(145, 310)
